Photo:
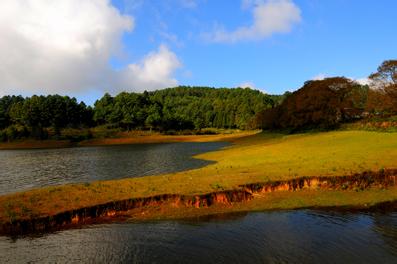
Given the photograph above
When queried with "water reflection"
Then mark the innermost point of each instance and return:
(25, 169)
(387, 227)
(277, 237)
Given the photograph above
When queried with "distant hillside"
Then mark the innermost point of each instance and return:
(183, 108)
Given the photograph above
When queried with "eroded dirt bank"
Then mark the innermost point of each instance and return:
(244, 193)
(381, 179)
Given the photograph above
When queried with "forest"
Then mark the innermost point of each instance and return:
(172, 109)
(318, 104)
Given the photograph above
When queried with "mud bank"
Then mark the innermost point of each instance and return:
(243, 193)
(112, 209)
(365, 180)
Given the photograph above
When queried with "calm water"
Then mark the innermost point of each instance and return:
(276, 237)
(273, 237)
(26, 169)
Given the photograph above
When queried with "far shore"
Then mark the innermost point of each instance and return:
(125, 139)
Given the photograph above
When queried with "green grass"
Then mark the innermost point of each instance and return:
(254, 158)
(276, 156)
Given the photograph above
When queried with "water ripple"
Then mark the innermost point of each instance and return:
(26, 169)
(276, 237)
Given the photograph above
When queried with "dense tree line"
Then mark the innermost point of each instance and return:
(177, 108)
(183, 108)
(332, 101)
(29, 117)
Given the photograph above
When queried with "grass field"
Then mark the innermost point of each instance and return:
(275, 156)
(253, 158)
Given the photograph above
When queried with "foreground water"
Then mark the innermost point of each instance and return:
(26, 169)
(274, 237)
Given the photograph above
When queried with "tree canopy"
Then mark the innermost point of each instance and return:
(176, 108)
(21, 117)
(383, 93)
(332, 101)
(320, 103)
(182, 108)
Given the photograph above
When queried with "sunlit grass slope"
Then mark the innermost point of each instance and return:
(255, 158)
(275, 156)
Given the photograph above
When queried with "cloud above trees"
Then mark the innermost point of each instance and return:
(65, 46)
(322, 76)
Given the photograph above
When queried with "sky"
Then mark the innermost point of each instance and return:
(84, 48)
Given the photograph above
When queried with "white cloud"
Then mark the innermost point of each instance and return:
(247, 85)
(319, 77)
(152, 72)
(64, 46)
(269, 17)
(250, 85)
(363, 81)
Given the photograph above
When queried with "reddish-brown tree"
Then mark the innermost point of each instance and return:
(321, 103)
(382, 97)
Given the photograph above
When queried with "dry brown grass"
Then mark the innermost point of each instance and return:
(144, 138)
(36, 144)
(125, 138)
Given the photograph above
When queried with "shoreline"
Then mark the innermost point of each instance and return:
(245, 198)
(151, 213)
(123, 140)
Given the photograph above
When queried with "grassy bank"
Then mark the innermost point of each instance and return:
(254, 158)
(142, 137)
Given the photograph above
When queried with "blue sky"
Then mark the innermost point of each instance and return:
(335, 37)
(200, 43)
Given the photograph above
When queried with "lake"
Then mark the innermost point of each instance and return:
(304, 236)
(27, 169)
(273, 237)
